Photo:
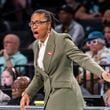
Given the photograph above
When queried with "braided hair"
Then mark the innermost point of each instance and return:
(48, 15)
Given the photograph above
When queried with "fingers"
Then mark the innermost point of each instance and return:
(108, 101)
(108, 74)
(22, 104)
(108, 77)
(1, 52)
(6, 54)
(27, 103)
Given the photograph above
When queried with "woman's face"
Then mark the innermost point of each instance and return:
(6, 78)
(70, 1)
(16, 90)
(107, 33)
(65, 17)
(11, 44)
(94, 45)
(106, 15)
(18, 86)
(40, 26)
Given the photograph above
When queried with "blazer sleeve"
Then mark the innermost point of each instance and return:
(37, 81)
(75, 54)
(35, 85)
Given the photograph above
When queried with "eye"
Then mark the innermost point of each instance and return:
(88, 42)
(94, 41)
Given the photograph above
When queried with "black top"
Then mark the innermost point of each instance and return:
(14, 101)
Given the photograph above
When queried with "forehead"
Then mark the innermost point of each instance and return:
(63, 12)
(69, 0)
(10, 38)
(107, 29)
(38, 16)
(6, 73)
(16, 84)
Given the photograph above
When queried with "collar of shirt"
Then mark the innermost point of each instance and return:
(14, 56)
(43, 43)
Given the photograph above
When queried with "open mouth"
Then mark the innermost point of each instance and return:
(35, 34)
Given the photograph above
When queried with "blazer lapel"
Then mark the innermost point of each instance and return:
(49, 52)
(36, 51)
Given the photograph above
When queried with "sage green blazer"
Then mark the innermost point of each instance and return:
(62, 91)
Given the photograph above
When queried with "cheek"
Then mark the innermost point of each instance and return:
(10, 48)
(62, 18)
(44, 32)
(107, 35)
(93, 48)
(18, 92)
(8, 45)
(9, 80)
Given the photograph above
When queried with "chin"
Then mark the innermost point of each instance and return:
(14, 97)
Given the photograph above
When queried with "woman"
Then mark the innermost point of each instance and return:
(8, 76)
(18, 86)
(53, 55)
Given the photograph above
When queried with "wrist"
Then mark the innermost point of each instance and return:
(102, 75)
(24, 93)
(106, 97)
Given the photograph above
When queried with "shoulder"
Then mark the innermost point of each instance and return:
(77, 25)
(1, 58)
(105, 51)
(88, 53)
(19, 55)
(58, 28)
(62, 37)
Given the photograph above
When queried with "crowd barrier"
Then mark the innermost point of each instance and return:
(18, 108)
(41, 108)
(29, 70)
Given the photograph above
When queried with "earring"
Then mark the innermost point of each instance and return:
(49, 30)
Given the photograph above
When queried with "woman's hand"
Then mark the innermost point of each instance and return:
(107, 97)
(25, 100)
(106, 76)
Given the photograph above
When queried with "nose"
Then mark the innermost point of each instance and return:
(7, 44)
(35, 29)
(13, 90)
